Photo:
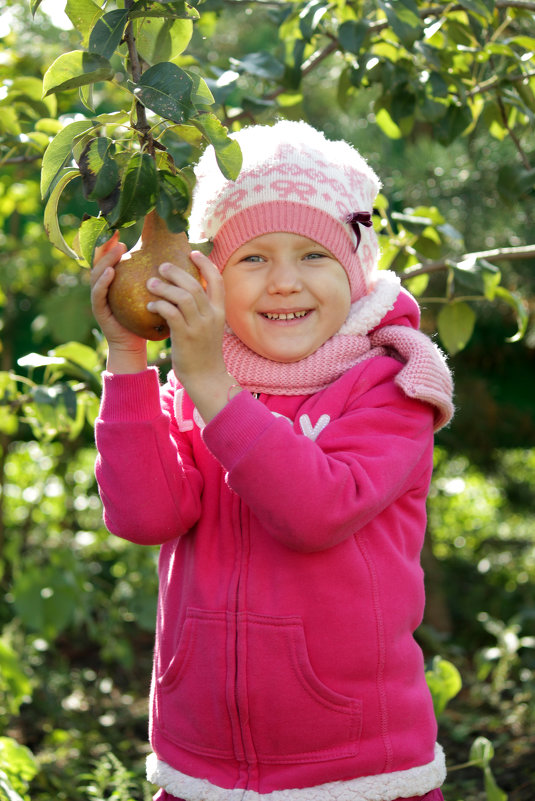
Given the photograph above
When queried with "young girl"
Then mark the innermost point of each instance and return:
(283, 469)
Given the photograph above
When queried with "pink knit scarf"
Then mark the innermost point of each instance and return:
(425, 374)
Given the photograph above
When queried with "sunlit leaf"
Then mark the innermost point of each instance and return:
(227, 151)
(8, 418)
(311, 16)
(404, 19)
(200, 92)
(387, 124)
(84, 15)
(90, 232)
(17, 761)
(519, 307)
(169, 9)
(59, 150)
(51, 222)
(159, 40)
(444, 682)
(74, 69)
(455, 324)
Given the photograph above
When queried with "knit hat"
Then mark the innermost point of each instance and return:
(294, 180)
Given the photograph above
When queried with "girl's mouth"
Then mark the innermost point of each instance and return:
(290, 315)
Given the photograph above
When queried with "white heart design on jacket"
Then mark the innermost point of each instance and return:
(313, 432)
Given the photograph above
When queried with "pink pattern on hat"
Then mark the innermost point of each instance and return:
(290, 162)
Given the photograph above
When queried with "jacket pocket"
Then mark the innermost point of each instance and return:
(190, 702)
(294, 716)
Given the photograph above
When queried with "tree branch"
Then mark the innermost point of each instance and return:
(498, 254)
(141, 124)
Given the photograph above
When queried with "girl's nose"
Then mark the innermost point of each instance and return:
(284, 278)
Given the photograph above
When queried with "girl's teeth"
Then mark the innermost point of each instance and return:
(288, 316)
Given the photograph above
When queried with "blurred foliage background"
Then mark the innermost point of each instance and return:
(77, 607)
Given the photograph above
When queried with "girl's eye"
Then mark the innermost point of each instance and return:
(312, 256)
(254, 259)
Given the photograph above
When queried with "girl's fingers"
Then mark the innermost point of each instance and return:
(108, 259)
(179, 287)
(112, 250)
(212, 276)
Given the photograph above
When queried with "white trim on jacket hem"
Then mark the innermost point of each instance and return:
(384, 787)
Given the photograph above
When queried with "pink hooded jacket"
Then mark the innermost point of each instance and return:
(290, 584)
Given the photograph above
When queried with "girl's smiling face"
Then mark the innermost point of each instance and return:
(285, 295)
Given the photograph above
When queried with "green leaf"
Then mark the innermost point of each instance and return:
(8, 418)
(444, 682)
(514, 181)
(166, 89)
(261, 65)
(59, 150)
(483, 8)
(51, 213)
(387, 124)
(227, 150)
(477, 276)
(91, 231)
(15, 686)
(45, 597)
(310, 18)
(78, 354)
(200, 92)
(84, 14)
(108, 33)
(26, 86)
(159, 40)
(100, 173)
(9, 121)
(494, 793)
(352, 35)
(453, 124)
(17, 764)
(169, 9)
(173, 200)
(518, 306)
(75, 69)
(138, 191)
(455, 325)
(404, 19)
(68, 312)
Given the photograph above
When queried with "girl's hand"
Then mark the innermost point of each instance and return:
(196, 319)
(127, 351)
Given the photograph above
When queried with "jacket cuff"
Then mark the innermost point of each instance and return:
(131, 397)
(232, 432)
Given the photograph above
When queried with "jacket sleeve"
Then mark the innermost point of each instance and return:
(312, 495)
(149, 484)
